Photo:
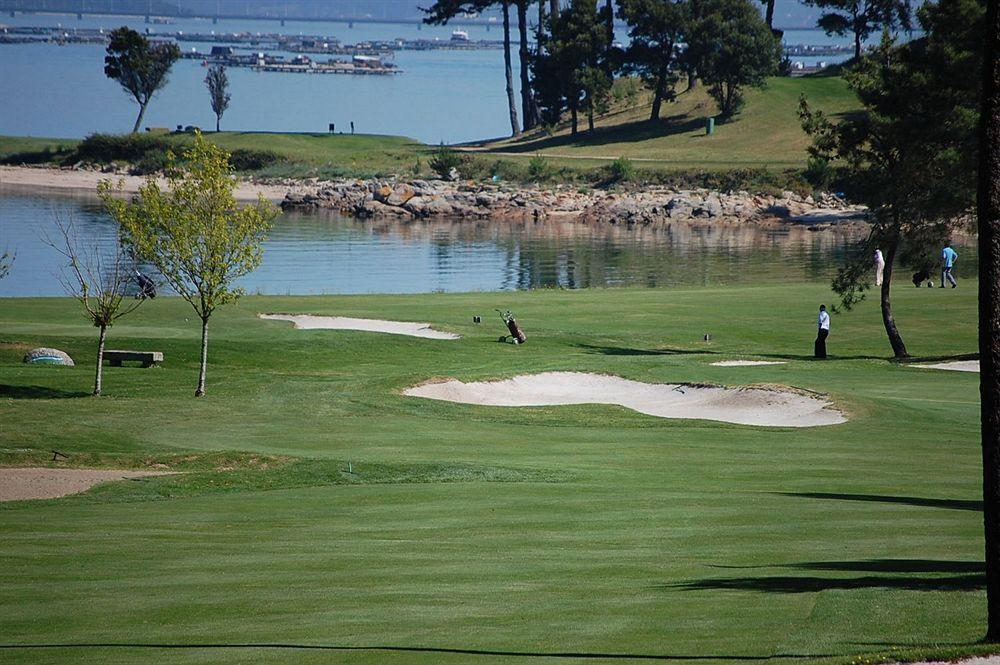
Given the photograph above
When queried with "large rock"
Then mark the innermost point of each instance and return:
(46, 356)
(426, 206)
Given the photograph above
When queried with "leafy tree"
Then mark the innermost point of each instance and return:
(139, 66)
(99, 280)
(989, 311)
(732, 48)
(443, 11)
(910, 156)
(195, 234)
(218, 90)
(862, 18)
(571, 72)
(656, 29)
(768, 13)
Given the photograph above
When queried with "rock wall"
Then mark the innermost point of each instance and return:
(418, 199)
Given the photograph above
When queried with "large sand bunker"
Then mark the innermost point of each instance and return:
(311, 322)
(955, 366)
(42, 483)
(744, 406)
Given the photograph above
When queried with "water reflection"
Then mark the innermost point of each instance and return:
(327, 253)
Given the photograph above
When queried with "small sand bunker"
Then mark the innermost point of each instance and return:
(42, 483)
(744, 406)
(311, 322)
(955, 366)
(746, 363)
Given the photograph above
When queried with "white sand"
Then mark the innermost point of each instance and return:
(745, 406)
(955, 366)
(35, 179)
(43, 483)
(746, 363)
(310, 322)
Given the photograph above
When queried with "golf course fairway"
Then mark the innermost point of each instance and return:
(317, 514)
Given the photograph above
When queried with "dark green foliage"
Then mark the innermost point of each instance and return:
(911, 155)
(862, 18)
(538, 168)
(138, 65)
(154, 161)
(107, 148)
(621, 170)
(244, 159)
(572, 73)
(656, 29)
(444, 160)
(731, 48)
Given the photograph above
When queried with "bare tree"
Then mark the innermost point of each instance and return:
(989, 310)
(218, 90)
(98, 277)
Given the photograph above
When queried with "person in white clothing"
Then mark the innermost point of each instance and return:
(879, 266)
(823, 323)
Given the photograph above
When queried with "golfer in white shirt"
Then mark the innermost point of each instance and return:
(823, 322)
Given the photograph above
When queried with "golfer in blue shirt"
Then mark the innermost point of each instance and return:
(949, 256)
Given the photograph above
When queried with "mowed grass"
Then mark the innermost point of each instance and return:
(766, 133)
(571, 533)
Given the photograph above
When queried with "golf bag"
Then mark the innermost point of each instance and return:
(516, 335)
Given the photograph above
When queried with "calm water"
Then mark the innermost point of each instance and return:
(445, 96)
(325, 253)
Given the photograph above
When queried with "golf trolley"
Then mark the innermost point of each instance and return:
(516, 335)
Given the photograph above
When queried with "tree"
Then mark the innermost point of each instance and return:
(443, 11)
(656, 28)
(218, 90)
(6, 261)
(989, 310)
(768, 13)
(910, 156)
(98, 279)
(194, 233)
(732, 48)
(571, 72)
(139, 66)
(862, 18)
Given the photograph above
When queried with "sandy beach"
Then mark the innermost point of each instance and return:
(31, 179)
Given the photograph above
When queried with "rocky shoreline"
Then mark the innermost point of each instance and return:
(422, 199)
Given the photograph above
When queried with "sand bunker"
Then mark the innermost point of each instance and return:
(310, 322)
(42, 483)
(955, 366)
(746, 363)
(744, 406)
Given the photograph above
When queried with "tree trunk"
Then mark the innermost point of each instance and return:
(590, 119)
(857, 44)
(540, 36)
(515, 128)
(553, 7)
(204, 358)
(661, 81)
(528, 113)
(99, 374)
(218, 119)
(989, 312)
(138, 120)
(770, 14)
(895, 339)
(572, 115)
(610, 25)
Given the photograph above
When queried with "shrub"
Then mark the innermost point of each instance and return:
(243, 159)
(621, 170)
(538, 168)
(444, 160)
(106, 148)
(153, 161)
(818, 172)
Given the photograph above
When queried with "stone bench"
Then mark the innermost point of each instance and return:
(147, 358)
